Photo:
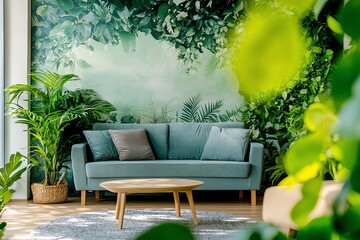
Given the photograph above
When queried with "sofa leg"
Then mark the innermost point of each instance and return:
(253, 197)
(241, 194)
(97, 195)
(83, 197)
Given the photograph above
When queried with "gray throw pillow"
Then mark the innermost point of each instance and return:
(229, 144)
(101, 145)
(132, 144)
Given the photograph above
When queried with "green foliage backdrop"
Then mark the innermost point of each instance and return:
(190, 26)
(278, 122)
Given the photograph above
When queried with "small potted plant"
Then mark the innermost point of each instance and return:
(47, 118)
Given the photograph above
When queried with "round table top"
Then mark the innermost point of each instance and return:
(151, 185)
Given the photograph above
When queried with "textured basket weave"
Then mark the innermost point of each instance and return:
(50, 194)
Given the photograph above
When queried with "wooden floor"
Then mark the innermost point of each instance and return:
(22, 216)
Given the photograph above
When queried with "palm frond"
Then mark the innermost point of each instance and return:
(95, 106)
(16, 91)
(53, 110)
(54, 84)
(208, 112)
(190, 109)
(229, 115)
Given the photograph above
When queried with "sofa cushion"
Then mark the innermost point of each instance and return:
(187, 140)
(132, 144)
(101, 145)
(157, 134)
(229, 144)
(168, 168)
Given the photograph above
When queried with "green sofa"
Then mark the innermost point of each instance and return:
(178, 148)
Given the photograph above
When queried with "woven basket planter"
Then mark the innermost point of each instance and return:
(50, 194)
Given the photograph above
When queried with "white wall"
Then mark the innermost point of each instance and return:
(17, 39)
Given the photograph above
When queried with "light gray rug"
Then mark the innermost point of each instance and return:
(103, 225)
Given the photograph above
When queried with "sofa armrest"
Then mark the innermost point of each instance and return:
(256, 159)
(79, 157)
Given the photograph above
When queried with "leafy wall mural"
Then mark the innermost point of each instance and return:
(156, 61)
(164, 61)
(146, 57)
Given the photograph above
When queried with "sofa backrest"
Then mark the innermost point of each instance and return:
(187, 140)
(157, 134)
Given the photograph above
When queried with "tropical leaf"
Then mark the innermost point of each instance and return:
(190, 109)
(153, 115)
(12, 170)
(229, 115)
(53, 110)
(208, 112)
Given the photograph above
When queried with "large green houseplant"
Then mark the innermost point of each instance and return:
(49, 113)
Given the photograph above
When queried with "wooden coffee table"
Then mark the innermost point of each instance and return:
(152, 185)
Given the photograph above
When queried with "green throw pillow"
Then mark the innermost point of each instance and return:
(229, 144)
(101, 145)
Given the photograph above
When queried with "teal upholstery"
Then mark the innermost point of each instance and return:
(227, 144)
(168, 168)
(178, 148)
(157, 134)
(187, 140)
(101, 145)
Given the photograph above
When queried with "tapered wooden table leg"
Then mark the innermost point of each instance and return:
(192, 206)
(117, 208)
(122, 209)
(151, 185)
(177, 204)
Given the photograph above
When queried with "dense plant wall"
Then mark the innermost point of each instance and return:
(278, 121)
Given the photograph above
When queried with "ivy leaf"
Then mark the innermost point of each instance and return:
(141, 3)
(190, 32)
(83, 64)
(144, 22)
(301, 211)
(334, 25)
(197, 5)
(91, 17)
(309, 147)
(84, 29)
(163, 10)
(239, 6)
(65, 5)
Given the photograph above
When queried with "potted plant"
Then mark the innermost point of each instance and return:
(47, 117)
(8, 176)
